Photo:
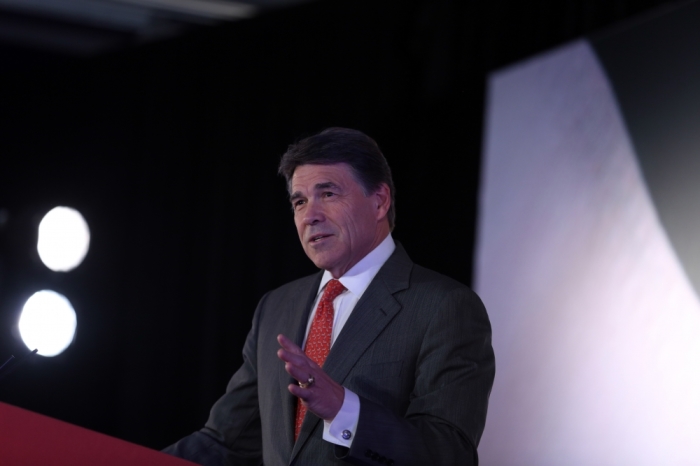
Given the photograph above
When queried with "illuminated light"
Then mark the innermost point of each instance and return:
(64, 239)
(47, 323)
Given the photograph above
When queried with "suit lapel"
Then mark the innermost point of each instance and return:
(373, 312)
(297, 319)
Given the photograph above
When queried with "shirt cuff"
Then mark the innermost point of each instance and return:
(341, 430)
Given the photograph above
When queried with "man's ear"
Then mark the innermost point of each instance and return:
(382, 200)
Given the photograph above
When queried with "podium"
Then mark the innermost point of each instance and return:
(30, 439)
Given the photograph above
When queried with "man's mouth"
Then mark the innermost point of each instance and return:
(317, 238)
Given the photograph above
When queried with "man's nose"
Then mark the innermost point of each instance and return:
(313, 213)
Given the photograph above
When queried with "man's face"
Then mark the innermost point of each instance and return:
(337, 224)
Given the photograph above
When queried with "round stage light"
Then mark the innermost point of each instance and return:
(64, 239)
(47, 323)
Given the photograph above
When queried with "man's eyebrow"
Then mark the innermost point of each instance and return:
(326, 185)
(317, 187)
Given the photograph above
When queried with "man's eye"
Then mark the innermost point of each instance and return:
(298, 203)
(328, 194)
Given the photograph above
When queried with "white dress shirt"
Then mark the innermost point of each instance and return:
(356, 280)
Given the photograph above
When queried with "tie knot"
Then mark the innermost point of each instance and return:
(332, 290)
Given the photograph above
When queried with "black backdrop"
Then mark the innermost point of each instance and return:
(170, 152)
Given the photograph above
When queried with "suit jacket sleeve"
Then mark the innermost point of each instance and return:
(446, 412)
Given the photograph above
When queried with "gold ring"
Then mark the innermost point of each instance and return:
(309, 382)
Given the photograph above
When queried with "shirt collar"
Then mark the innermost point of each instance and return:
(358, 278)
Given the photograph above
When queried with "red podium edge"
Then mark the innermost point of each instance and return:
(32, 439)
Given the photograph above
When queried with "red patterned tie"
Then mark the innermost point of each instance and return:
(318, 344)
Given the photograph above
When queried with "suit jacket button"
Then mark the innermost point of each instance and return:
(346, 434)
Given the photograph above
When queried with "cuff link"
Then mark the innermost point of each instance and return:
(346, 434)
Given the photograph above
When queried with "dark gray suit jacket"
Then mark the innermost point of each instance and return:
(416, 350)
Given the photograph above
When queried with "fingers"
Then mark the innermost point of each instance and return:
(297, 364)
(300, 360)
(324, 396)
(292, 354)
(288, 344)
(301, 393)
(301, 374)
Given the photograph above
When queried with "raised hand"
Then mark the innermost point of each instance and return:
(317, 391)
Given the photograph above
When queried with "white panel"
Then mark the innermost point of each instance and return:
(596, 327)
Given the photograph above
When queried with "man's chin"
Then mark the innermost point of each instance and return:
(321, 263)
(324, 261)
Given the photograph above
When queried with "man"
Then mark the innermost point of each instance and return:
(397, 363)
